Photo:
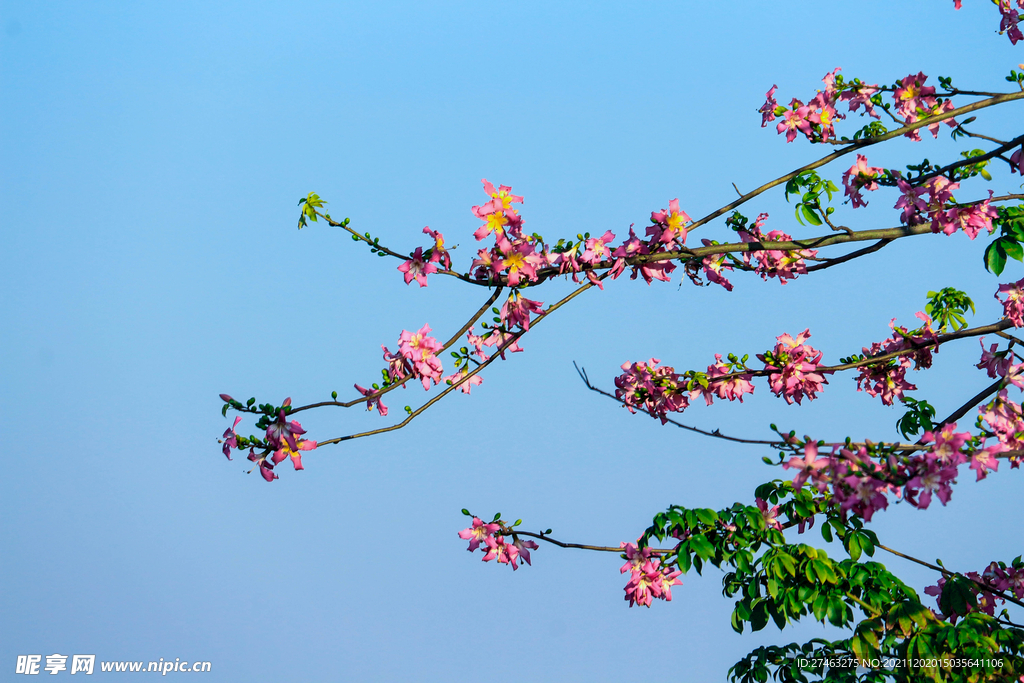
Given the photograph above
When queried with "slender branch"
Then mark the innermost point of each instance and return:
(513, 338)
(714, 433)
(377, 394)
(849, 257)
(969, 161)
(973, 401)
(946, 572)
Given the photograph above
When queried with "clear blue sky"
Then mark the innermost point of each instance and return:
(151, 155)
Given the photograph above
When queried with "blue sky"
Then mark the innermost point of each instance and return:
(151, 156)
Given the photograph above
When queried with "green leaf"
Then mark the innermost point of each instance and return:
(1013, 249)
(702, 546)
(995, 258)
(810, 215)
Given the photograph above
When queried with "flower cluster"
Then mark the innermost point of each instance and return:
(416, 358)
(495, 546)
(794, 368)
(887, 379)
(1013, 305)
(655, 390)
(768, 263)
(998, 577)
(915, 101)
(420, 264)
(859, 177)
(660, 390)
(283, 438)
(648, 579)
(816, 119)
(940, 208)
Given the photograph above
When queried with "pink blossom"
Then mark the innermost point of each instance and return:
(887, 379)
(596, 249)
(915, 100)
(654, 390)
(794, 367)
(1013, 306)
(714, 266)
(418, 351)
(948, 444)
(478, 532)
(517, 310)
(971, 219)
(438, 254)
(810, 467)
(1017, 161)
(770, 515)
(795, 119)
(282, 431)
(767, 109)
(231, 437)
(911, 202)
(669, 225)
(499, 339)
(731, 389)
(519, 260)
(860, 94)
(286, 451)
(859, 177)
(524, 548)
(415, 268)
(985, 460)
(505, 553)
(465, 387)
(374, 402)
(1008, 24)
(996, 363)
(498, 215)
(785, 265)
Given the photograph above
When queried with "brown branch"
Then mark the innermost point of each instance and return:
(849, 257)
(973, 401)
(946, 572)
(513, 338)
(370, 397)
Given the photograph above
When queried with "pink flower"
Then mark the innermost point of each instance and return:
(859, 95)
(794, 366)
(767, 109)
(985, 460)
(654, 390)
(770, 515)
(519, 259)
(794, 120)
(1017, 161)
(466, 386)
(714, 266)
(911, 202)
(1013, 306)
(477, 533)
(499, 339)
(505, 553)
(859, 177)
(438, 254)
(419, 351)
(375, 402)
(1010, 18)
(231, 438)
(669, 225)
(597, 249)
(517, 310)
(728, 389)
(498, 215)
(281, 431)
(915, 100)
(810, 467)
(772, 262)
(996, 363)
(286, 451)
(970, 219)
(524, 548)
(415, 268)
(948, 443)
